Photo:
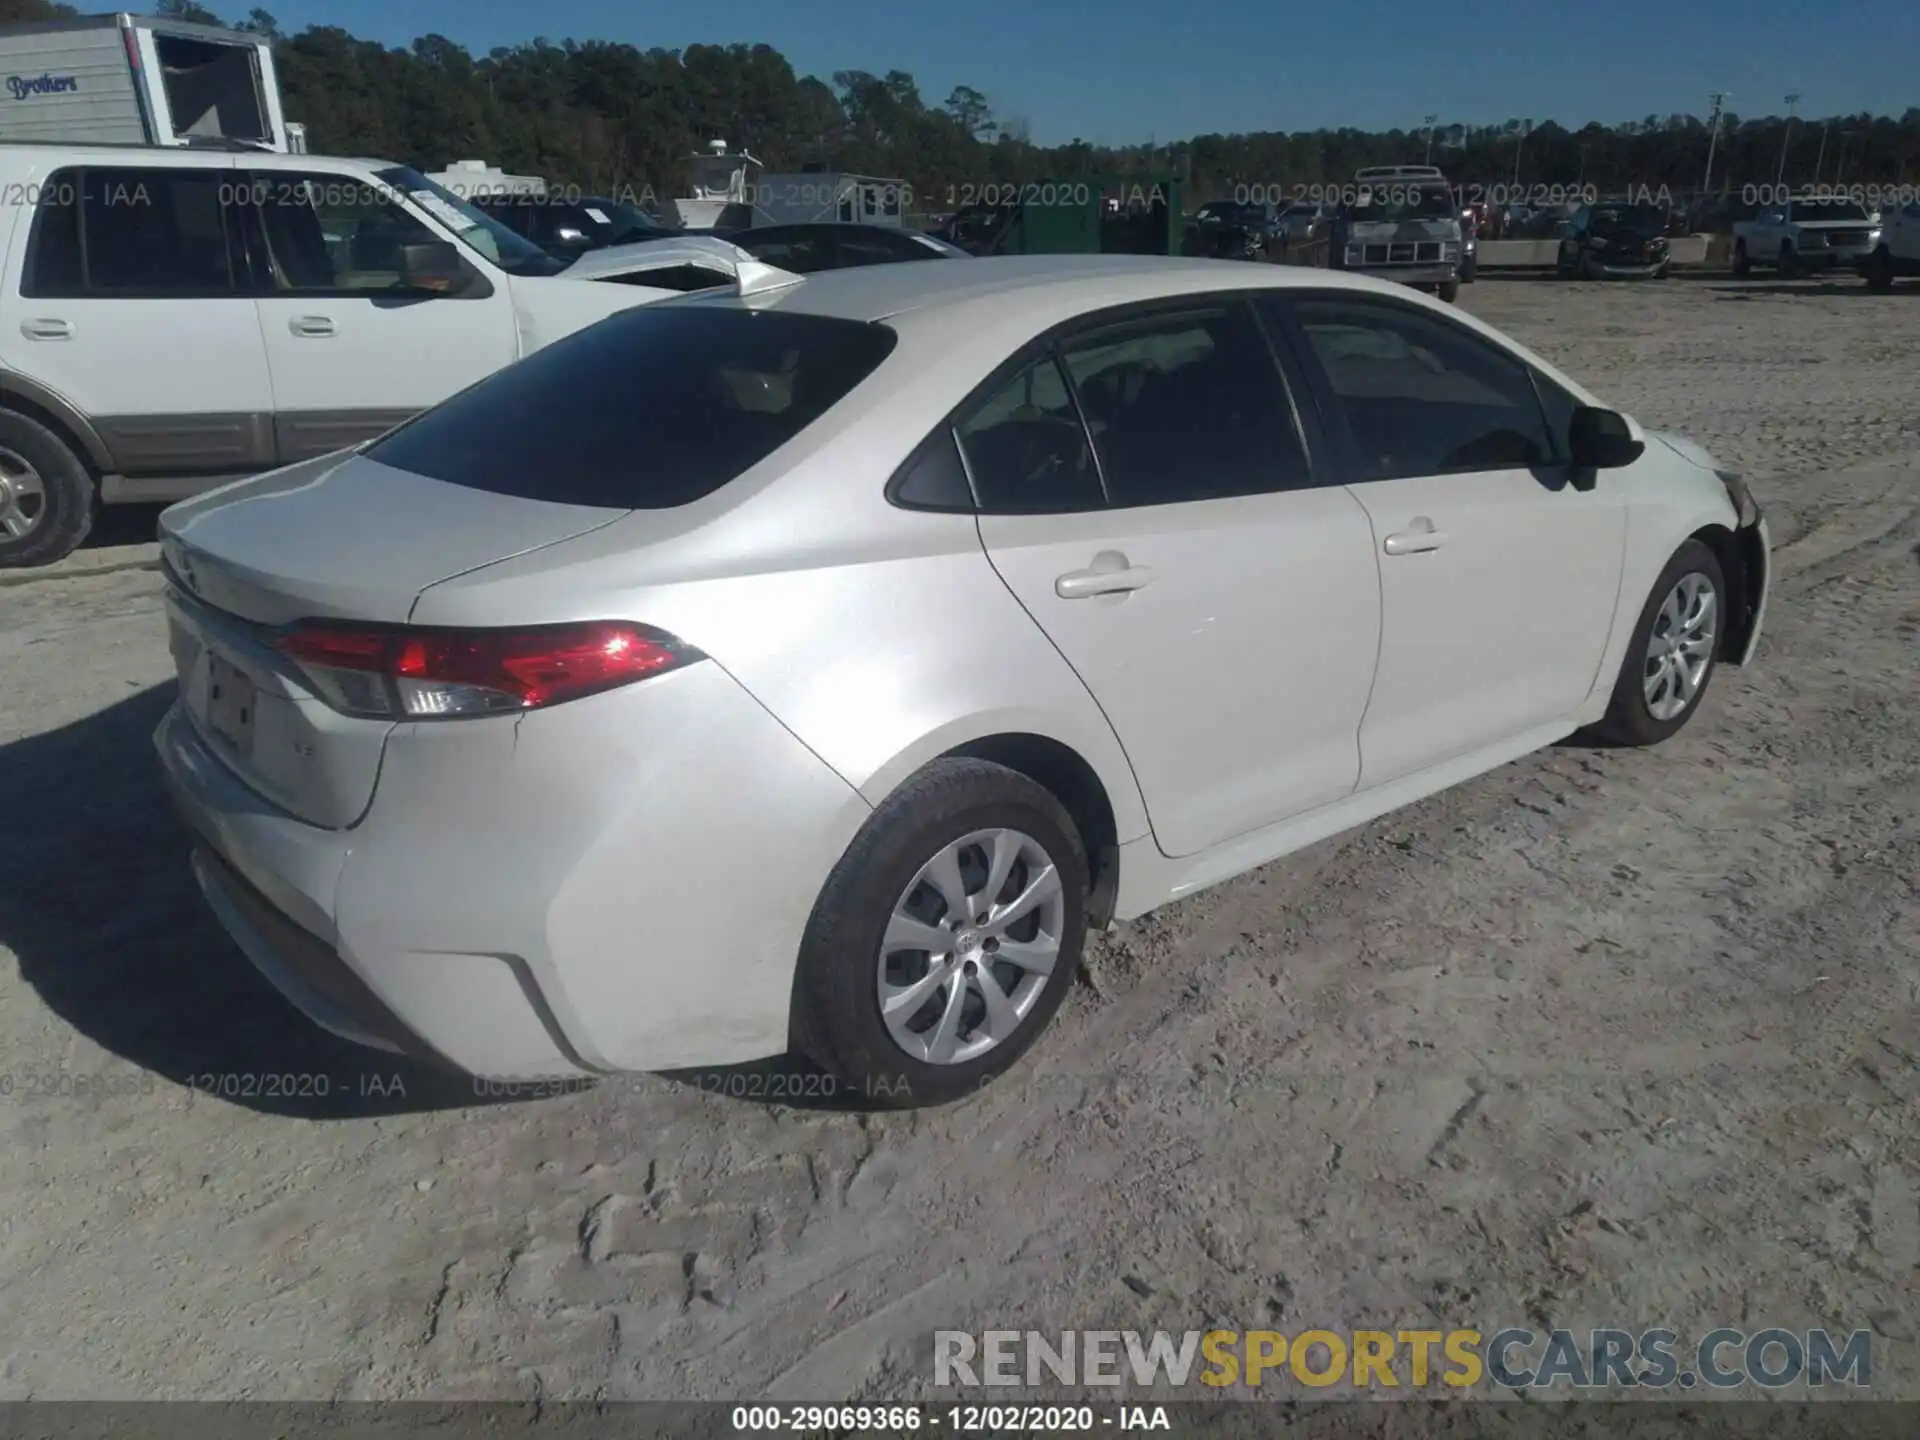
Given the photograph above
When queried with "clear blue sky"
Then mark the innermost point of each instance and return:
(1121, 71)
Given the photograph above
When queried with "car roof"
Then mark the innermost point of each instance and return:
(994, 287)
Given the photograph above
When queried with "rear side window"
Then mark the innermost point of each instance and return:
(655, 407)
(157, 232)
(1187, 407)
(1026, 449)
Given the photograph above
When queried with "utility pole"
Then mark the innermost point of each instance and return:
(1526, 127)
(1785, 135)
(1840, 170)
(1718, 99)
(1821, 158)
(1432, 120)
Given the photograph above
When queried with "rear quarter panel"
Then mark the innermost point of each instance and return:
(881, 637)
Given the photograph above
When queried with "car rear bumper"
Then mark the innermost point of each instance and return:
(619, 883)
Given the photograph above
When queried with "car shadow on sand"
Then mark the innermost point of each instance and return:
(100, 906)
(102, 910)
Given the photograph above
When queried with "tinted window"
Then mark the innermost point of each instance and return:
(146, 232)
(800, 252)
(331, 232)
(53, 261)
(1559, 406)
(1420, 396)
(655, 407)
(877, 247)
(1026, 449)
(1187, 407)
(933, 478)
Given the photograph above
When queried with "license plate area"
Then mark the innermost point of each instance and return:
(230, 704)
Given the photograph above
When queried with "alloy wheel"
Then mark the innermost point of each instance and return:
(969, 946)
(23, 496)
(1680, 646)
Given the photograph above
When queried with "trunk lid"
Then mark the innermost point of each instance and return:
(334, 538)
(348, 538)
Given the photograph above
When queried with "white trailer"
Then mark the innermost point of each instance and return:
(126, 79)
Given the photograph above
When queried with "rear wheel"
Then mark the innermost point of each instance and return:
(1742, 262)
(1879, 269)
(1674, 649)
(1588, 270)
(1449, 291)
(945, 939)
(46, 494)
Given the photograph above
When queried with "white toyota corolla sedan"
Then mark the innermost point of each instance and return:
(807, 665)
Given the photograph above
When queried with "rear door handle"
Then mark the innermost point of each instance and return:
(1417, 540)
(311, 326)
(1085, 584)
(47, 329)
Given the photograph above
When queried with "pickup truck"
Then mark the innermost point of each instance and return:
(1898, 251)
(1797, 237)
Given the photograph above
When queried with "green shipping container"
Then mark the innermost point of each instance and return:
(1092, 215)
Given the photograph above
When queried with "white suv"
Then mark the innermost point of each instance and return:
(171, 320)
(1897, 252)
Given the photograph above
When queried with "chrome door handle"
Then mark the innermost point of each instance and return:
(47, 329)
(1085, 584)
(311, 326)
(1417, 540)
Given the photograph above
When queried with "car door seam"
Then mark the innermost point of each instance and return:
(987, 553)
(1379, 644)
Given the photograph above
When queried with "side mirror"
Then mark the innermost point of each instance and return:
(1602, 440)
(433, 267)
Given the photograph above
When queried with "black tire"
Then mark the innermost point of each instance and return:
(1788, 266)
(1448, 291)
(1587, 270)
(1663, 270)
(64, 510)
(1879, 269)
(836, 1011)
(1629, 720)
(1742, 262)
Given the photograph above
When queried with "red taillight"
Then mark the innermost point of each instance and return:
(418, 673)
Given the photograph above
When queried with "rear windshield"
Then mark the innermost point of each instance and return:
(656, 407)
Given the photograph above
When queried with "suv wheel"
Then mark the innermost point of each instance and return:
(46, 494)
(1742, 263)
(1879, 269)
(945, 938)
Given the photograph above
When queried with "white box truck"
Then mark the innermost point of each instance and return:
(126, 79)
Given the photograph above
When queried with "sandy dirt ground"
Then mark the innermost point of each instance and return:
(1603, 1038)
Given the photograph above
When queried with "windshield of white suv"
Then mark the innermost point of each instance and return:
(472, 227)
